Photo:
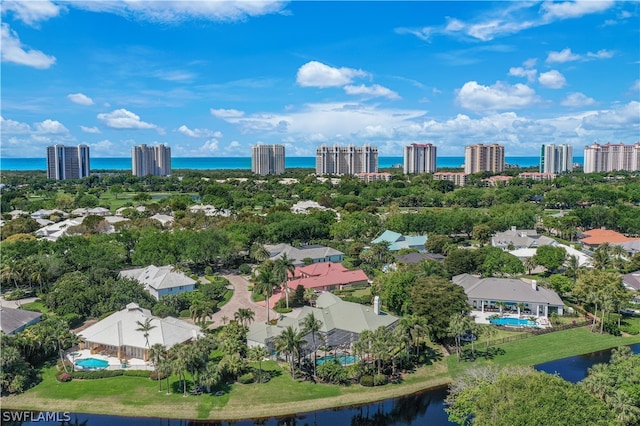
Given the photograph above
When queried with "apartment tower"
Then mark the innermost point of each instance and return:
(68, 162)
(483, 158)
(611, 157)
(346, 160)
(556, 158)
(151, 160)
(267, 159)
(419, 158)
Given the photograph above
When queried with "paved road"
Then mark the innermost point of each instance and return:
(241, 299)
(17, 303)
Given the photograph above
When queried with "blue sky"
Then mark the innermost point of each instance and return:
(213, 78)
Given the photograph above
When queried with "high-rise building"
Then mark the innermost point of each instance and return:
(151, 160)
(419, 158)
(346, 160)
(267, 159)
(483, 158)
(556, 158)
(68, 162)
(611, 157)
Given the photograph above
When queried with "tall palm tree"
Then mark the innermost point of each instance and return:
(572, 267)
(457, 326)
(602, 257)
(530, 264)
(145, 327)
(289, 343)
(490, 332)
(244, 316)
(266, 281)
(257, 354)
(157, 353)
(312, 325)
(283, 267)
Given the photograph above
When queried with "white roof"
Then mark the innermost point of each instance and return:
(120, 329)
(162, 277)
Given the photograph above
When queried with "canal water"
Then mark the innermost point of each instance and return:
(424, 408)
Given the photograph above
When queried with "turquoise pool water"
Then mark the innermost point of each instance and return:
(92, 363)
(342, 359)
(514, 322)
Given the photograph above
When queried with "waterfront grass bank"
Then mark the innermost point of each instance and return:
(136, 396)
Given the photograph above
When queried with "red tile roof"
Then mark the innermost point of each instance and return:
(595, 237)
(326, 274)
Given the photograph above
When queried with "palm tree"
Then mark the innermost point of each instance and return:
(196, 310)
(180, 366)
(602, 257)
(244, 316)
(530, 264)
(490, 332)
(619, 254)
(311, 325)
(210, 375)
(457, 326)
(266, 281)
(145, 328)
(500, 304)
(257, 354)
(258, 252)
(599, 382)
(624, 406)
(283, 267)
(521, 306)
(289, 343)
(157, 353)
(572, 267)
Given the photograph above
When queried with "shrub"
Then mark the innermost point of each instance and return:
(185, 313)
(16, 294)
(629, 329)
(244, 269)
(366, 381)
(612, 328)
(72, 319)
(137, 373)
(100, 374)
(157, 375)
(68, 364)
(380, 380)
(64, 377)
(283, 310)
(247, 378)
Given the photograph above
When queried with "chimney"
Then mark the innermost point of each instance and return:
(513, 229)
(376, 305)
(534, 285)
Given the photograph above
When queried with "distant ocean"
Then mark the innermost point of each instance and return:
(242, 163)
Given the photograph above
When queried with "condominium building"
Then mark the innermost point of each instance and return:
(483, 158)
(374, 177)
(556, 158)
(419, 158)
(611, 157)
(151, 160)
(267, 159)
(346, 160)
(458, 178)
(68, 162)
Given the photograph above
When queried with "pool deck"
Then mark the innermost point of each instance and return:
(483, 318)
(114, 363)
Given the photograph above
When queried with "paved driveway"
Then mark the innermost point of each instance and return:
(18, 303)
(241, 299)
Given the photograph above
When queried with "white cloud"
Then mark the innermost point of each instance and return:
(500, 96)
(601, 54)
(226, 113)
(124, 119)
(530, 63)
(199, 133)
(50, 127)
(13, 51)
(79, 98)
(210, 147)
(104, 147)
(529, 74)
(371, 91)
(577, 100)
(565, 55)
(317, 74)
(175, 75)
(175, 11)
(90, 129)
(9, 126)
(635, 85)
(574, 9)
(552, 79)
(625, 117)
(31, 12)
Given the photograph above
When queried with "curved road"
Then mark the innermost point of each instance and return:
(241, 299)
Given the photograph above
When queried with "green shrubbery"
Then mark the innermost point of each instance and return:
(367, 381)
(380, 380)
(247, 378)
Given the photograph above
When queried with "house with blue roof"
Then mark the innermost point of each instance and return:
(398, 241)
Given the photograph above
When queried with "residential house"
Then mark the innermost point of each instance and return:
(398, 241)
(161, 281)
(487, 294)
(316, 253)
(327, 276)
(13, 321)
(594, 237)
(119, 333)
(632, 281)
(514, 239)
(342, 323)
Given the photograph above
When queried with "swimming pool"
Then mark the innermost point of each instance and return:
(513, 322)
(92, 363)
(342, 359)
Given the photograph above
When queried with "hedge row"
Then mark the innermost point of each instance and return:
(103, 374)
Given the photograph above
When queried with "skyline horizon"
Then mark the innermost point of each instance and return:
(214, 78)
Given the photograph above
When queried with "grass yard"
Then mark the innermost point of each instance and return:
(37, 306)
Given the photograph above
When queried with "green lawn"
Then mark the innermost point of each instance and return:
(37, 306)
